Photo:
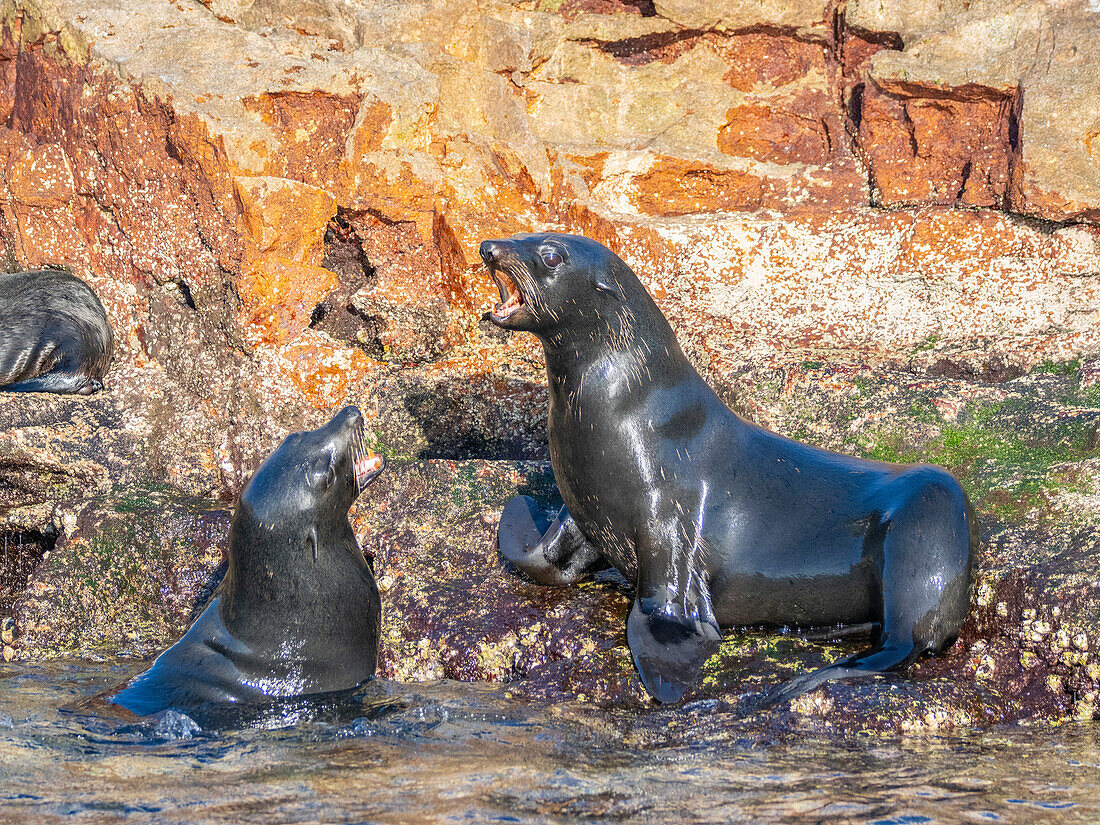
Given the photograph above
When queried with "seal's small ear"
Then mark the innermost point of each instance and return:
(312, 541)
(321, 472)
(601, 286)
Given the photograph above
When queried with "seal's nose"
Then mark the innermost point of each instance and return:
(490, 251)
(350, 416)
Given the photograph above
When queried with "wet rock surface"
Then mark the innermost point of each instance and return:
(131, 568)
(867, 225)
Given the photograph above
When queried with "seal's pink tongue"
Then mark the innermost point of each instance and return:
(367, 466)
(514, 300)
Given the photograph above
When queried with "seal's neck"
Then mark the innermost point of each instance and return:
(277, 565)
(637, 347)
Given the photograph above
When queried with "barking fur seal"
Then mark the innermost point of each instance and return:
(298, 611)
(718, 522)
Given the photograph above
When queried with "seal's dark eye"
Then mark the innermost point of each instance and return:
(550, 257)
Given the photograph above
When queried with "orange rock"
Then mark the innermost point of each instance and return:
(674, 186)
(791, 132)
(321, 373)
(840, 183)
(394, 299)
(927, 147)
(371, 126)
(591, 166)
(761, 59)
(459, 230)
(48, 236)
(41, 176)
(858, 47)
(490, 193)
(312, 129)
(397, 186)
(7, 88)
(138, 191)
(966, 237)
(278, 296)
(285, 217)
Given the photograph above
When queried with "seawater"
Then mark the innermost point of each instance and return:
(450, 752)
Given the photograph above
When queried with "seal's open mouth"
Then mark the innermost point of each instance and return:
(510, 296)
(366, 464)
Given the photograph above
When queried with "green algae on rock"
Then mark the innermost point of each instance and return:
(125, 576)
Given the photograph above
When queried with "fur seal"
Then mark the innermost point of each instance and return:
(717, 521)
(298, 611)
(54, 334)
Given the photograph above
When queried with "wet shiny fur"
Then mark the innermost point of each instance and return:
(54, 334)
(298, 611)
(717, 521)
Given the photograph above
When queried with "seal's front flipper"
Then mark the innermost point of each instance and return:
(554, 552)
(672, 629)
(669, 646)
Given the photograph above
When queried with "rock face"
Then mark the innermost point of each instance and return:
(875, 226)
(1027, 74)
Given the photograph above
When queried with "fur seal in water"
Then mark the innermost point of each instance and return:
(54, 334)
(717, 521)
(298, 611)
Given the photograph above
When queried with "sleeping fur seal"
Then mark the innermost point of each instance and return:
(718, 522)
(298, 610)
(54, 334)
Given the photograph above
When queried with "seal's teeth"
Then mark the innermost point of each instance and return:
(514, 298)
(367, 465)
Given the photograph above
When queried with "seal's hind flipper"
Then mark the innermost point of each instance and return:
(551, 552)
(59, 382)
(873, 662)
(839, 633)
(669, 647)
(926, 578)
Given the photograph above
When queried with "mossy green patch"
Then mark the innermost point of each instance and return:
(863, 383)
(922, 410)
(116, 572)
(1084, 397)
(1058, 367)
(1005, 469)
(758, 658)
(800, 432)
(389, 451)
(125, 577)
(926, 343)
(467, 493)
(141, 497)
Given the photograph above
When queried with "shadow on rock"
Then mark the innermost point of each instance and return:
(467, 419)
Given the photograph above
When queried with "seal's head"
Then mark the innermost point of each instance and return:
(550, 282)
(304, 489)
